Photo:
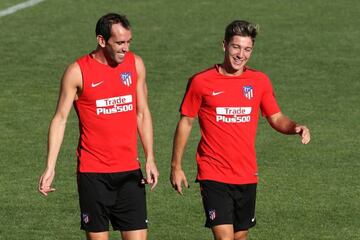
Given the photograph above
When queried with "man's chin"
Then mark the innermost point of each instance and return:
(120, 60)
(237, 68)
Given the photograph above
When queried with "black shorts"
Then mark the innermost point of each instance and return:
(115, 197)
(229, 204)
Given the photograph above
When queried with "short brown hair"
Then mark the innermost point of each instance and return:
(241, 28)
(103, 25)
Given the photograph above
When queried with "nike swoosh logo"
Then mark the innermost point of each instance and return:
(217, 93)
(96, 84)
(253, 220)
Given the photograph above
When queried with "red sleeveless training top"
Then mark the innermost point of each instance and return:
(107, 116)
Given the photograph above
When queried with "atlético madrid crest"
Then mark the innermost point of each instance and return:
(85, 218)
(248, 92)
(212, 214)
(126, 78)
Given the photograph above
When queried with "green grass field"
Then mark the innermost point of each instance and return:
(310, 50)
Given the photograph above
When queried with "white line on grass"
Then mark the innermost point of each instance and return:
(18, 7)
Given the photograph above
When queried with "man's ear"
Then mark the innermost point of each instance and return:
(223, 45)
(101, 41)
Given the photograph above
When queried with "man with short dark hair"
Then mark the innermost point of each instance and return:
(108, 90)
(226, 99)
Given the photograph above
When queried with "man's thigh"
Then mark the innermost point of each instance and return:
(129, 212)
(244, 210)
(217, 202)
(134, 235)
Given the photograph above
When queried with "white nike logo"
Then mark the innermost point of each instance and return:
(217, 93)
(96, 84)
(253, 220)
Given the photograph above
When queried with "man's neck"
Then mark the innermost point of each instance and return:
(99, 55)
(227, 71)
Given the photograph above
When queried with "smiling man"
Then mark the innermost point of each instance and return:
(108, 90)
(226, 99)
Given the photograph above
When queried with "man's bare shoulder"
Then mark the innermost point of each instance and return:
(73, 68)
(73, 75)
(140, 66)
(138, 60)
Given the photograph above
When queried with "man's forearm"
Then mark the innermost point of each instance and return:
(181, 136)
(145, 129)
(282, 124)
(55, 138)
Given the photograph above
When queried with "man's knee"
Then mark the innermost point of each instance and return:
(241, 235)
(223, 232)
(224, 237)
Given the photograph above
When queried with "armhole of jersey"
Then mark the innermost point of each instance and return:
(133, 61)
(82, 79)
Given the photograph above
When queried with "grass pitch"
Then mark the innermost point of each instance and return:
(308, 48)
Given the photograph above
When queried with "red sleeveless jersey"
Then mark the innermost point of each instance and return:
(228, 110)
(107, 116)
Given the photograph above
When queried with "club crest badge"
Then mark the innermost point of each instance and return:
(212, 214)
(248, 92)
(126, 78)
(85, 218)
